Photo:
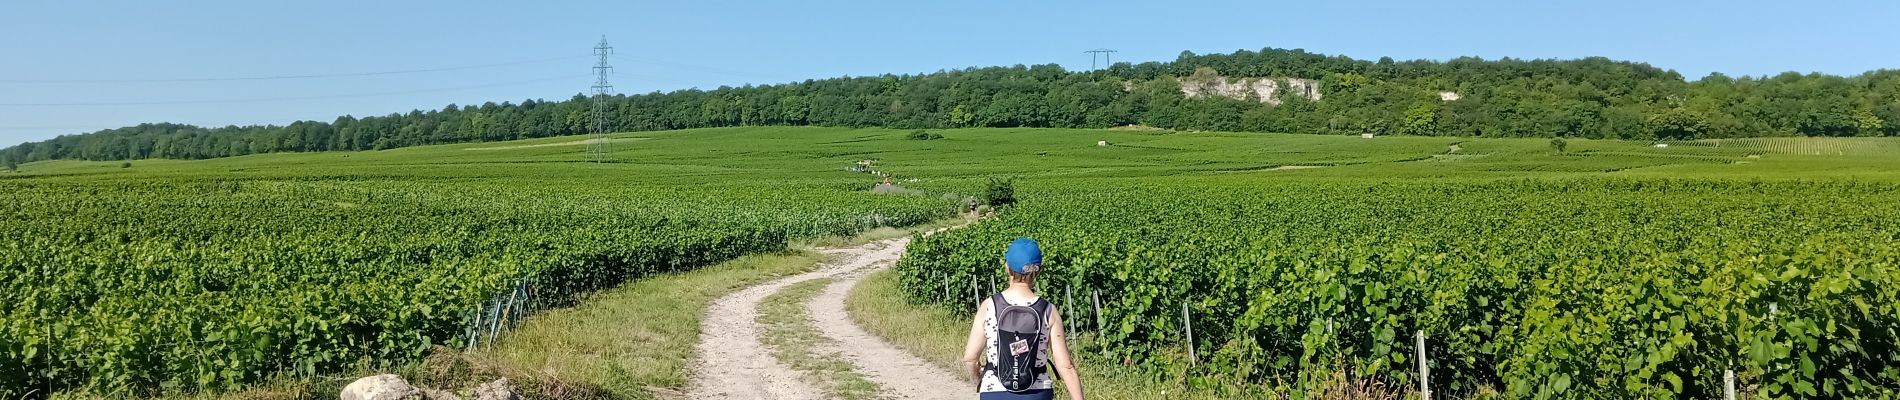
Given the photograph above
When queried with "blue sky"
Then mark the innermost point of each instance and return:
(708, 43)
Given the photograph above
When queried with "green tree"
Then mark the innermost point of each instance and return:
(1591, 98)
(960, 116)
(1868, 124)
(1677, 124)
(793, 109)
(1420, 119)
(480, 125)
(1350, 81)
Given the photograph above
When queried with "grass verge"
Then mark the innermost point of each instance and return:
(788, 331)
(634, 341)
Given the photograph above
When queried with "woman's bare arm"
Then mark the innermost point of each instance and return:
(1059, 354)
(973, 348)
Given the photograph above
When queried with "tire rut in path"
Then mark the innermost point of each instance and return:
(899, 373)
(731, 363)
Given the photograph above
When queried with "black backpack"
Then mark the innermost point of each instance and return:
(1019, 334)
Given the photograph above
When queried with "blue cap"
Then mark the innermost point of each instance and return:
(1024, 256)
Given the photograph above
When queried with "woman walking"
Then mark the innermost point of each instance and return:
(1022, 335)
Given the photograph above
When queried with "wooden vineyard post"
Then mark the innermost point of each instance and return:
(1189, 324)
(1424, 372)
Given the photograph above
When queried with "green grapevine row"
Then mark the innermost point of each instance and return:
(174, 284)
(1594, 288)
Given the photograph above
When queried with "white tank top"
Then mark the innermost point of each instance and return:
(990, 382)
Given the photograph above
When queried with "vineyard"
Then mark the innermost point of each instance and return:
(174, 282)
(1610, 270)
(1822, 146)
(1589, 288)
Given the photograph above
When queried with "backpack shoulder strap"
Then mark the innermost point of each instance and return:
(1042, 307)
(997, 304)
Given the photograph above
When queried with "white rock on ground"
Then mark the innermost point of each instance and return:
(380, 387)
(500, 389)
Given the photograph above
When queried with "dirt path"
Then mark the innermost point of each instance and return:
(901, 374)
(732, 364)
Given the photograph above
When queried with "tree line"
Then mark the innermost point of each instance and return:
(1588, 98)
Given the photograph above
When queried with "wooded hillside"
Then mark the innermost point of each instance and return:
(1591, 97)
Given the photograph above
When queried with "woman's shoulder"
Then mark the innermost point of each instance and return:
(1032, 298)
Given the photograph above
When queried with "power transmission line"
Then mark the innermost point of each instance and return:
(24, 127)
(601, 148)
(285, 77)
(1104, 54)
(704, 68)
(96, 128)
(226, 101)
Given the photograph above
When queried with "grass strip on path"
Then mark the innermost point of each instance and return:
(788, 331)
